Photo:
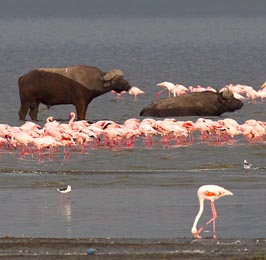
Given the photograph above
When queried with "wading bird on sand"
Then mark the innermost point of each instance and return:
(247, 165)
(211, 193)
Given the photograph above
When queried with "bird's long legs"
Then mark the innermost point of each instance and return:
(214, 216)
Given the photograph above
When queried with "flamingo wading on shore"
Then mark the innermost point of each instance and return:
(211, 193)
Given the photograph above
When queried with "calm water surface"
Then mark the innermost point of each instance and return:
(136, 192)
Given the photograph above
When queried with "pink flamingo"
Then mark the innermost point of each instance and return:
(30, 125)
(253, 130)
(31, 128)
(113, 136)
(132, 126)
(118, 95)
(132, 123)
(130, 135)
(166, 85)
(45, 142)
(135, 91)
(204, 126)
(211, 193)
(251, 93)
(146, 128)
(261, 93)
(80, 139)
(69, 126)
(231, 127)
(3, 141)
(164, 128)
(199, 88)
(22, 139)
(190, 127)
(51, 122)
(104, 123)
(179, 132)
(180, 89)
(209, 88)
(67, 143)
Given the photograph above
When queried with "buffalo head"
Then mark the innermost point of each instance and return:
(114, 79)
(230, 103)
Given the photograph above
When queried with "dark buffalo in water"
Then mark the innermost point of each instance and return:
(205, 103)
(77, 85)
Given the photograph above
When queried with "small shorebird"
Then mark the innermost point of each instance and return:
(64, 192)
(211, 193)
(247, 166)
(65, 189)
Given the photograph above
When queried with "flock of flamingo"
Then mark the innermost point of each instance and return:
(241, 92)
(33, 139)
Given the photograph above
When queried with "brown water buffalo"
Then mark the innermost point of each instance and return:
(205, 103)
(77, 85)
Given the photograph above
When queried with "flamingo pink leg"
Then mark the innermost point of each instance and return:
(214, 216)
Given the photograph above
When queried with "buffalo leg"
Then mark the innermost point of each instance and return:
(34, 111)
(81, 111)
(23, 111)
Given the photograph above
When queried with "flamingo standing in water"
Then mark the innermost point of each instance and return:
(211, 193)
(135, 91)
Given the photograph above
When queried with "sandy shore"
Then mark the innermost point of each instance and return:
(108, 248)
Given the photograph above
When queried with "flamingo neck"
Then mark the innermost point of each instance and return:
(72, 118)
(201, 208)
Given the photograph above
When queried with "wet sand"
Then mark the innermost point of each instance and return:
(108, 248)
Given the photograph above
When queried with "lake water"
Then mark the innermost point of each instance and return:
(140, 192)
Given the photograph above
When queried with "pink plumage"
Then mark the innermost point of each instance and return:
(211, 193)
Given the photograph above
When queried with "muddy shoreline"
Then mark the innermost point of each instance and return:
(118, 248)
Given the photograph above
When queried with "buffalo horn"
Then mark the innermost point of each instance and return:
(112, 73)
(227, 93)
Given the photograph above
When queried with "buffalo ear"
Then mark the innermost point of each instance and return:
(227, 93)
(106, 83)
